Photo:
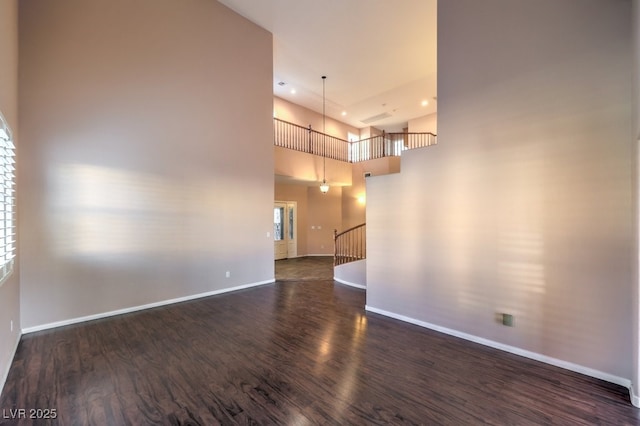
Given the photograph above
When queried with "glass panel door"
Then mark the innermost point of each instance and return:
(280, 231)
(292, 245)
(278, 223)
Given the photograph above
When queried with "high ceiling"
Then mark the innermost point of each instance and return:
(379, 56)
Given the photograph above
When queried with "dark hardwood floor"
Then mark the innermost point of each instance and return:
(290, 353)
(305, 268)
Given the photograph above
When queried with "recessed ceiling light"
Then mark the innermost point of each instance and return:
(344, 113)
(425, 103)
(293, 91)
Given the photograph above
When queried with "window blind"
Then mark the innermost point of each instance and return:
(7, 200)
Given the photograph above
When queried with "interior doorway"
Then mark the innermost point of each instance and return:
(285, 232)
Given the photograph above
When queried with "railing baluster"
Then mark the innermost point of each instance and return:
(350, 245)
(305, 139)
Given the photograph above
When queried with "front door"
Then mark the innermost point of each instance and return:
(280, 230)
(285, 221)
(292, 221)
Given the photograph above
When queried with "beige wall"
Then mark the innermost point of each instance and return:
(299, 194)
(636, 57)
(344, 177)
(10, 290)
(354, 205)
(318, 215)
(352, 189)
(526, 205)
(296, 114)
(142, 179)
(307, 167)
(369, 132)
(354, 197)
(352, 273)
(427, 123)
(325, 215)
(636, 115)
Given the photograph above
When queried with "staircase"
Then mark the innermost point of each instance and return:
(350, 245)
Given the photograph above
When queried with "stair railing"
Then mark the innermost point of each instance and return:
(389, 145)
(305, 139)
(350, 245)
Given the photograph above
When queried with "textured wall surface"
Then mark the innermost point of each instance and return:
(143, 181)
(526, 205)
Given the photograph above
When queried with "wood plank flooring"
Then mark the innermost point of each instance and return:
(290, 353)
(305, 268)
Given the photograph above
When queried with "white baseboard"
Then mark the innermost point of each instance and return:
(141, 307)
(512, 349)
(635, 398)
(364, 287)
(5, 373)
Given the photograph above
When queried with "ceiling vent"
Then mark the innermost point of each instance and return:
(376, 118)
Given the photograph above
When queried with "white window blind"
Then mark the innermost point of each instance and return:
(7, 200)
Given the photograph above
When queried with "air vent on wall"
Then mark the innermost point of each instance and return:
(376, 118)
(367, 174)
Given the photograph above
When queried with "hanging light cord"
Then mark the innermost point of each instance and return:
(324, 188)
(324, 132)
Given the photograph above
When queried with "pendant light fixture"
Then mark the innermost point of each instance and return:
(324, 188)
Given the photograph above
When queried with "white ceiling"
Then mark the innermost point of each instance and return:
(379, 56)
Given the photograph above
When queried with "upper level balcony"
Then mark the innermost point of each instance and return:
(305, 139)
(301, 151)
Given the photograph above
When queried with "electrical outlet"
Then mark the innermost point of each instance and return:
(11, 325)
(507, 319)
(227, 274)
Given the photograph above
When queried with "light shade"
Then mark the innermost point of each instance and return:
(324, 188)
